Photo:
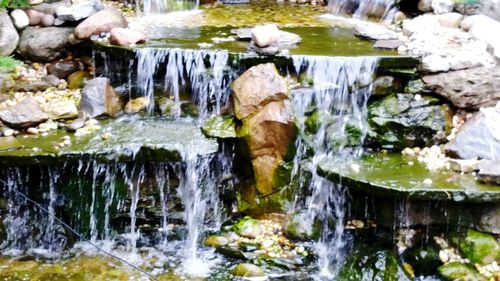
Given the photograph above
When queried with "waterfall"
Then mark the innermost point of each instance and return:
(338, 102)
(204, 73)
(380, 9)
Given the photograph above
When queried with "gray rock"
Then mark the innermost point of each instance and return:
(44, 44)
(375, 32)
(470, 88)
(51, 79)
(243, 34)
(47, 20)
(79, 11)
(50, 8)
(435, 63)
(100, 99)
(489, 172)
(484, 28)
(19, 18)
(479, 137)
(64, 68)
(23, 115)
(8, 35)
(32, 86)
(269, 40)
(61, 109)
(491, 8)
(102, 21)
(388, 44)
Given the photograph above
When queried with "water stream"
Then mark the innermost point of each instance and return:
(380, 9)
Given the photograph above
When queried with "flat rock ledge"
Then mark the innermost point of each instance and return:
(126, 140)
(390, 175)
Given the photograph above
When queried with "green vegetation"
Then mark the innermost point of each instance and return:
(13, 4)
(8, 64)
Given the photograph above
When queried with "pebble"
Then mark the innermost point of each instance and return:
(66, 142)
(427, 182)
(33, 131)
(8, 132)
(443, 256)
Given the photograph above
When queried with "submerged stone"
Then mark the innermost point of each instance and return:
(459, 271)
(423, 260)
(480, 247)
(302, 226)
(248, 270)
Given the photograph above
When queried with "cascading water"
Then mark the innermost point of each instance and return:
(338, 104)
(204, 72)
(381, 9)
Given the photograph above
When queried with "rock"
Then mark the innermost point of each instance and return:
(220, 127)
(216, 241)
(425, 6)
(77, 123)
(302, 225)
(374, 32)
(435, 63)
(247, 270)
(125, 36)
(257, 87)
(491, 8)
(64, 68)
(167, 106)
(464, 166)
(47, 20)
(384, 85)
(399, 120)
(489, 172)
(483, 28)
(23, 115)
(100, 99)
(102, 21)
(19, 18)
(77, 79)
(488, 219)
(44, 44)
(78, 11)
(480, 247)
(265, 35)
(35, 2)
(442, 6)
(35, 17)
(50, 8)
(459, 271)
(424, 23)
(136, 105)
(7, 82)
(8, 35)
(424, 260)
(470, 88)
(32, 86)
(478, 137)
(388, 44)
(248, 227)
(450, 20)
(61, 109)
(369, 264)
(243, 34)
(51, 79)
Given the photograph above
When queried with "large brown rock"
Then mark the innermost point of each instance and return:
(260, 97)
(257, 87)
(470, 88)
(23, 115)
(100, 99)
(102, 21)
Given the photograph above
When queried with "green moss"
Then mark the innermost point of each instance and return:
(8, 64)
(220, 127)
(480, 247)
(456, 271)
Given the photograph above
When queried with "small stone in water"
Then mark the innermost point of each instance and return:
(427, 182)
(358, 223)
(8, 132)
(33, 131)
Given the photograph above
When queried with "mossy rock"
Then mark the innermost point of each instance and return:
(216, 241)
(220, 127)
(480, 247)
(248, 227)
(369, 264)
(77, 79)
(456, 271)
(424, 261)
(248, 270)
(302, 226)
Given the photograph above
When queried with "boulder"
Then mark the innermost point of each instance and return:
(460, 271)
(489, 172)
(257, 87)
(435, 63)
(136, 105)
(125, 36)
(78, 11)
(61, 109)
(479, 137)
(374, 32)
(19, 18)
(442, 6)
(34, 16)
(265, 35)
(44, 44)
(484, 28)
(401, 120)
(23, 115)
(478, 247)
(469, 88)
(100, 99)
(8, 35)
(64, 68)
(102, 21)
(302, 225)
(272, 41)
(247, 270)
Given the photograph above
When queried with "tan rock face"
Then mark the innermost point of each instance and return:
(102, 21)
(260, 97)
(257, 87)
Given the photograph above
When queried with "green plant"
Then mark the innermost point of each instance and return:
(13, 4)
(8, 64)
